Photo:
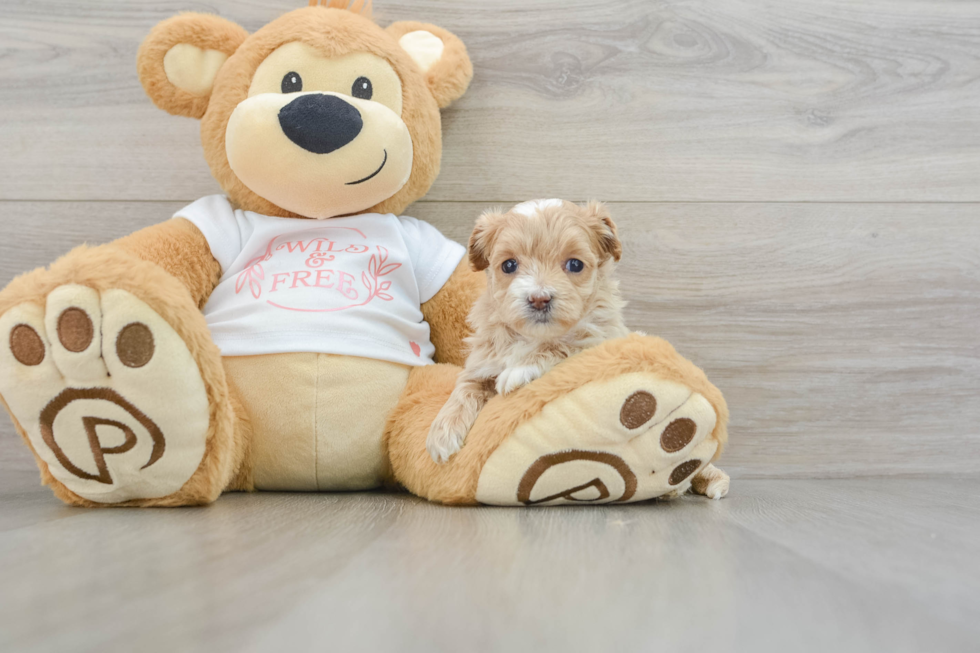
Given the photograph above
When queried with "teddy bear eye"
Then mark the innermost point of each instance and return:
(362, 88)
(509, 266)
(292, 83)
(574, 265)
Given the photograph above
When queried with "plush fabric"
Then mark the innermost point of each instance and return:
(446, 313)
(317, 419)
(176, 424)
(205, 33)
(333, 33)
(107, 268)
(456, 482)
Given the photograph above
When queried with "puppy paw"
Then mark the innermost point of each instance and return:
(711, 482)
(515, 377)
(446, 437)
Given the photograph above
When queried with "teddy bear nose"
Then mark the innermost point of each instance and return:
(320, 123)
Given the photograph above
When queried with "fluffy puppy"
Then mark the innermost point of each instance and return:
(550, 294)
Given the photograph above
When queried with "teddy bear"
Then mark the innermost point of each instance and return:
(297, 332)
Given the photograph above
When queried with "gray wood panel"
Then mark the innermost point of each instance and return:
(681, 100)
(767, 164)
(844, 336)
(779, 565)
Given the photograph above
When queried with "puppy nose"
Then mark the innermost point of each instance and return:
(539, 301)
(320, 123)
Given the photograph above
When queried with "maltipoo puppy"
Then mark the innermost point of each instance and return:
(550, 294)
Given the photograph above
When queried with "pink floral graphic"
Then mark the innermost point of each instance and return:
(253, 273)
(378, 267)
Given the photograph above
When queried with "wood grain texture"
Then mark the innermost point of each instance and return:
(727, 135)
(687, 100)
(844, 336)
(779, 565)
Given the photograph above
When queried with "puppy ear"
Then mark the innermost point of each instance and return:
(441, 56)
(180, 58)
(481, 240)
(605, 229)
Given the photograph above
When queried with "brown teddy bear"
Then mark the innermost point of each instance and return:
(283, 336)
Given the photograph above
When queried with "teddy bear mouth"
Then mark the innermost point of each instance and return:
(372, 175)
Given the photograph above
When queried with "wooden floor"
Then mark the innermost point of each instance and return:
(798, 187)
(780, 565)
(797, 183)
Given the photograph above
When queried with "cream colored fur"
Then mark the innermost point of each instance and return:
(317, 420)
(515, 343)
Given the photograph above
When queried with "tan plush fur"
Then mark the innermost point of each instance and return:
(449, 78)
(180, 249)
(446, 313)
(535, 313)
(356, 6)
(201, 30)
(107, 267)
(333, 32)
(244, 479)
(429, 388)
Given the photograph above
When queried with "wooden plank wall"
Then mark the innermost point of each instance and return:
(798, 185)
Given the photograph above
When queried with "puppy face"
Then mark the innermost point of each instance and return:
(545, 262)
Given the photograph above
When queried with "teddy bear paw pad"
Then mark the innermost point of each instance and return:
(107, 392)
(632, 438)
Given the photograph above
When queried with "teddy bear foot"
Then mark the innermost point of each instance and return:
(631, 438)
(106, 392)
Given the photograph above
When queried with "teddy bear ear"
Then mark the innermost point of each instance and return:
(440, 55)
(180, 58)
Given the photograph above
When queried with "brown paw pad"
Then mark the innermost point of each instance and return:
(638, 409)
(678, 434)
(26, 345)
(683, 471)
(75, 329)
(135, 345)
(105, 431)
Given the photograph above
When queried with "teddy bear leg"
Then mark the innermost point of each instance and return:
(109, 373)
(405, 435)
(628, 420)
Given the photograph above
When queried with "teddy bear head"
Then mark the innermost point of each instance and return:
(320, 113)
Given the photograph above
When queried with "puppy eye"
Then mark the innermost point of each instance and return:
(574, 265)
(362, 88)
(509, 266)
(292, 83)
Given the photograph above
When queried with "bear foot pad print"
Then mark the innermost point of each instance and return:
(108, 394)
(633, 438)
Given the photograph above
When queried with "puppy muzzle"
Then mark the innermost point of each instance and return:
(540, 307)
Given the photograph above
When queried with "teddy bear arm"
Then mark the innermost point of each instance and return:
(446, 313)
(180, 249)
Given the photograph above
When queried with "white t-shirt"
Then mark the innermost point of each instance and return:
(351, 285)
